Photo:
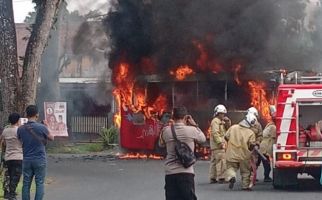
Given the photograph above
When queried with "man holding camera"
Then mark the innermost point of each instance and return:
(34, 136)
(179, 181)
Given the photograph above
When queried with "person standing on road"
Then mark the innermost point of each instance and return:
(33, 136)
(266, 146)
(241, 141)
(4, 172)
(13, 155)
(179, 181)
(218, 128)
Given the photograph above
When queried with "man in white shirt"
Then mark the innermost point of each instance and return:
(13, 153)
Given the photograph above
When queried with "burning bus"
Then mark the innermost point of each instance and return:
(144, 105)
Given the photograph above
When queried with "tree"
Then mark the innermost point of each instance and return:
(8, 59)
(19, 91)
(51, 60)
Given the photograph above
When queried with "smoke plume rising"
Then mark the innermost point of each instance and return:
(155, 36)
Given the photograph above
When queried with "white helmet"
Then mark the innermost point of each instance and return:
(251, 119)
(220, 109)
(253, 111)
(272, 110)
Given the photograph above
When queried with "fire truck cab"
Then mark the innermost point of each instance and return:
(298, 147)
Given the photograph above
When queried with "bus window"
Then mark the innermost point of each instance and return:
(138, 118)
(185, 93)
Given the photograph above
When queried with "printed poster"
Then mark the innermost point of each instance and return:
(56, 117)
(22, 121)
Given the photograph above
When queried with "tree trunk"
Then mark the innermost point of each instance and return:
(51, 60)
(8, 61)
(37, 42)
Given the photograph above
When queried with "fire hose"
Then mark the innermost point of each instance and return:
(259, 153)
(253, 164)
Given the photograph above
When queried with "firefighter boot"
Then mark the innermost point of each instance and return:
(232, 182)
(268, 179)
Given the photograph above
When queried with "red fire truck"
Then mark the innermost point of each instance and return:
(298, 149)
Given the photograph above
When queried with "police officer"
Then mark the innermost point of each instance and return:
(218, 128)
(241, 140)
(179, 181)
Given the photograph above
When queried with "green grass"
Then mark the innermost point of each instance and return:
(77, 149)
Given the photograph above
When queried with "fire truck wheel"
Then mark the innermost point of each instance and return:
(284, 178)
(316, 173)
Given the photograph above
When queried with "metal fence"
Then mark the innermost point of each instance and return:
(88, 124)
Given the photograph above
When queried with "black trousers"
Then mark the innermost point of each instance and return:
(266, 165)
(180, 187)
(14, 170)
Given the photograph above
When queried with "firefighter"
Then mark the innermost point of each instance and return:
(266, 146)
(218, 128)
(258, 129)
(241, 141)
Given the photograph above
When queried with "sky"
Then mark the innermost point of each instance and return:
(23, 7)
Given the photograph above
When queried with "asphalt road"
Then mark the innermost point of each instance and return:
(105, 178)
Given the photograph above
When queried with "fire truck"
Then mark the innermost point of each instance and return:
(298, 147)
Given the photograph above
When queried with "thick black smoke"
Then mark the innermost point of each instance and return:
(259, 34)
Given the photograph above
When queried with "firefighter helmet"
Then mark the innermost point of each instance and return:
(251, 119)
(253, 110)
(220, 109)
(272, 110)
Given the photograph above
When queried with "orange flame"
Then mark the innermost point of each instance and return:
(123, 91)
(205, 63)
(139, 156)
(203, 58)
(139, 102)
(161, 103)
(117, 115)
(134, 98)
(204, 151)
(259, 99)
(182, 72)
(237, 69)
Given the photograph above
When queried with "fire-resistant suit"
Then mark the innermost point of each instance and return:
(269, 135)
(240, 140)
(258, 130)
(266, 148)
(217, 145)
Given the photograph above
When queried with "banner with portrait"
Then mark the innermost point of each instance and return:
(56, 117)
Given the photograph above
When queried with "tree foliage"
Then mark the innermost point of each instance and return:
(19, 91)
